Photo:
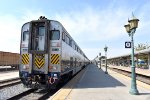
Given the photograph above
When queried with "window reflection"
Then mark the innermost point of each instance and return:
(55, 35)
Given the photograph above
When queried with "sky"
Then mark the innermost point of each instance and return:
(91, 23)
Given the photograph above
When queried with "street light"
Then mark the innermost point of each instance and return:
(100, 60)
(105, 49)
(131, 28)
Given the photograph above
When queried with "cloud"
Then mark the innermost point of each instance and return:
(91, 52)
(9, 33)
(90, 27)
(94, 24)
(10, 30)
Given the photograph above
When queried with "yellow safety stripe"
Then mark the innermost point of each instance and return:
(25, 59)
(55, 58)
(39, 60)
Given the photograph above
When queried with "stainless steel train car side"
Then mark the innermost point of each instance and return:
(49, 54)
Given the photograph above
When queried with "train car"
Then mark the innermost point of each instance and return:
(49, 54)
(9, 59)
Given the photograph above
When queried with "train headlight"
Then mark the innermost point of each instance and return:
(55, 75)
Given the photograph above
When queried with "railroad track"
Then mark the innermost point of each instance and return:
(35, 94)
(142, 78)
(22, 94)
(8, 69)
(9, 82)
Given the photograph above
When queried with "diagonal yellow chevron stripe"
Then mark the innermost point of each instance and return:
(55, 58)
(25, 59)
(39, 60)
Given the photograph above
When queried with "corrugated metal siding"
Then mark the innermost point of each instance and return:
(8, 58)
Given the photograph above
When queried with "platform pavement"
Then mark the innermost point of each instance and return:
(94, 84)
(9, 75)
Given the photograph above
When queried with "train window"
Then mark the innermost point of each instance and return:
(73, 45)
(25, 36)
(63, 36)
(70, 42)
(67, 39)
(76, 48)
(55, 35)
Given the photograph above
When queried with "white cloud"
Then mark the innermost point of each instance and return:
(88, 24)
(9, 33)
(10, 30)
(91, 53)
(93, 24)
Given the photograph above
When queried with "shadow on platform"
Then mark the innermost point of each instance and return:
(96, 78)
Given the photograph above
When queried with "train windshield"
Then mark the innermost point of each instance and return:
(25, 36)
(55, 35)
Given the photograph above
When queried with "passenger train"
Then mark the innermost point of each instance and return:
(49, 54)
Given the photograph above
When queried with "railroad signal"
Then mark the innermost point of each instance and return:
(127, 44)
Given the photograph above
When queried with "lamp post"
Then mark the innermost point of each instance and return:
(100, 60)
(131, 28)
(105, 49)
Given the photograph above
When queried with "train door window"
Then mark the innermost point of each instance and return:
(25, 36)
(55, 35)
(40, 39)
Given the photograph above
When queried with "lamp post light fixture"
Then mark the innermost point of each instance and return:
(131, 28)
(105, 49)
(100, 60)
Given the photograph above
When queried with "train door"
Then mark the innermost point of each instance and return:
(38, 47)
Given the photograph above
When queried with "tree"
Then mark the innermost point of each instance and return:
(142, 46)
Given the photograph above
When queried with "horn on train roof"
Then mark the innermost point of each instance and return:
(42, 17)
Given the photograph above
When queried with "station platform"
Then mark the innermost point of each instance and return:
(145, 72)
(8, 75)
(93, 84)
